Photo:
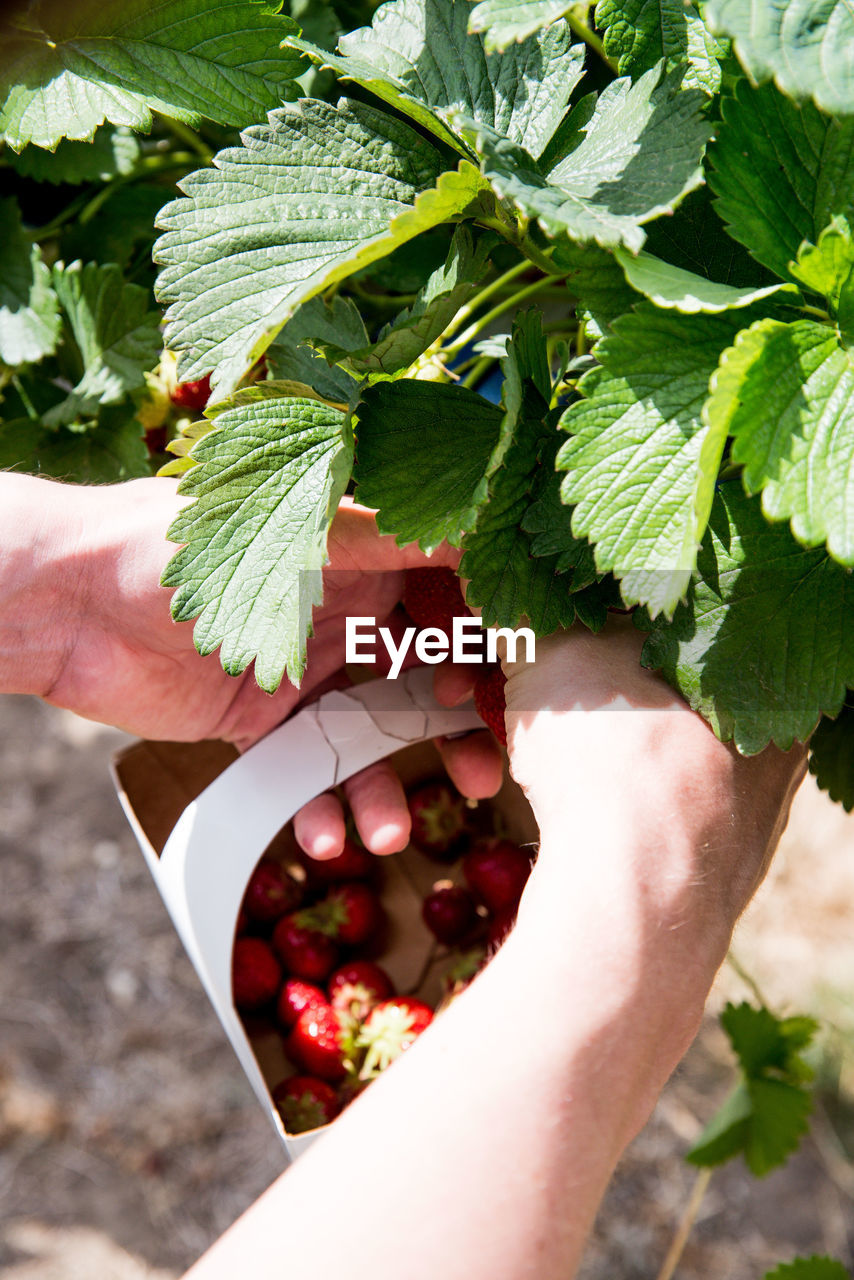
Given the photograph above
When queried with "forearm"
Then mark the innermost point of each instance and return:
(486, 1149)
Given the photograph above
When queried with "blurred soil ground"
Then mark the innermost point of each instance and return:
(129, 1139)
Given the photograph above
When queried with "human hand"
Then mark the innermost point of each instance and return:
(90, 630)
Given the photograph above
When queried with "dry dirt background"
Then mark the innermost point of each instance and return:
(129, 1140)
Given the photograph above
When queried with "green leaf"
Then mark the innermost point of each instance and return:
(765, 643)
(310, 198)
(814, 1268)
(832, 757)
(410, 460)
(785, 392)
(402, 341)
(504, 578)
(765, 1117)
(420, 58)
(780, 171)
(115, 337)
(266, 483)
(640, 154)
(106, 451)
(29, 313)
(291, 358)
(640, 32)
(642, 460)
(503, 22)
(111, 153)
(676, 289)
(806, 46)
(596, 280)
(122, 228)
(695, 239)
(828, 268)
(88, 62)
(550, 522)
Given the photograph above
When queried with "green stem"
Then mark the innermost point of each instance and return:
(190, 138)
(65, 215)
(27, 402)
(485, 294)
(484, 321)
(477, 371)
(590, 38)
(747, 978)
(144, 168)
(814, 311)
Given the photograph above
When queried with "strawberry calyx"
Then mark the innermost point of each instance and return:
(388, 1032)
(326, 917)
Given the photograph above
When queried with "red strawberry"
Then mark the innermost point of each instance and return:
(432, 598)
(255, 973)
(498, 871)
(489, 701)
(270, 892)
(449, 913)
(354, 863)
(295, 997)
(355, 913)
(499, 927)
(356, 987)
(192, 395)
(305, 1103)
(438, 814)
(305, 952)
(155, 440)
(389, 1029)
(319, 1043)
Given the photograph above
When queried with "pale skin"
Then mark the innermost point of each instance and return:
(85, 624)
(486, 1149)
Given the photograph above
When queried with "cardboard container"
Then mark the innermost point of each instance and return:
(204, 815)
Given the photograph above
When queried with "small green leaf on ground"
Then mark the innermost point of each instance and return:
(814, 1268)
(765, 1117)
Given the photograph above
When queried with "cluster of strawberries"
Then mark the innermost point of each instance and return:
(305, 952)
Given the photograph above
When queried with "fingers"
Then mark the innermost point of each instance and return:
(355, 543)
(319, 827)
(474, 763)
(379, 807)
(453, 683)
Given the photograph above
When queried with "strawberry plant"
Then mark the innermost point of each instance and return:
(637, 215)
